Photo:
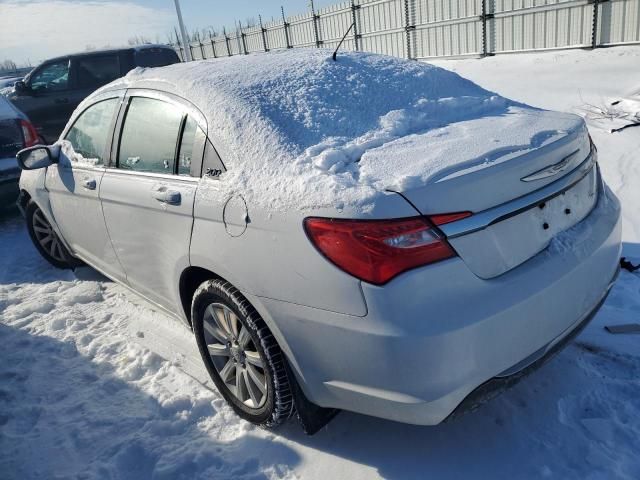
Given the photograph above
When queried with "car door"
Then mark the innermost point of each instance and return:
(46, 98)
(74, 184)
(148, 192)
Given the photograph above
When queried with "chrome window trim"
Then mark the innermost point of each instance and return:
(481, 220)
(160, 176)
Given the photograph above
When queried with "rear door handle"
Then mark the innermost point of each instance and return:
(164, 195)
(61, 100)
(89, 184)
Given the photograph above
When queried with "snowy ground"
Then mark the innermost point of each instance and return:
(95, 384)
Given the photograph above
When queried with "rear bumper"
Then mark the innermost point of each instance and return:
(494, 387)
(434, 335)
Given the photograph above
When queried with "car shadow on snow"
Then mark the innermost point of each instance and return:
(64, 416)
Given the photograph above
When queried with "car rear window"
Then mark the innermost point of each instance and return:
(155, 57)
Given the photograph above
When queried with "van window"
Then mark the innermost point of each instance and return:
(155, 57)
(95, 71)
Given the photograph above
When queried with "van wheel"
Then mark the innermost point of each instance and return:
(241, 355)
(46, 239)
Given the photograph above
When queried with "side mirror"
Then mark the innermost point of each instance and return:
(36, 157)
(21, 87)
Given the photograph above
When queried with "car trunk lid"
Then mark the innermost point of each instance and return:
(506, 167)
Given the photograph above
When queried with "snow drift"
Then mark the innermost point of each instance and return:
(296, 128)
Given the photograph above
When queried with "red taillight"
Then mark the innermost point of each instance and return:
(377, 250)
(29, 133)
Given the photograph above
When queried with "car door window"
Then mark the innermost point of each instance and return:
(149, 136)
(95, 71)
(90, 131)
(51, 78)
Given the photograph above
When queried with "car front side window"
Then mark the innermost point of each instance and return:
(51, 78)
(149, 136)
(90, 131)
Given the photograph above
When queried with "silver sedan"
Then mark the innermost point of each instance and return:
(370, 234)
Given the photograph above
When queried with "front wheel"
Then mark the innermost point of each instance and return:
(241, 355)
(46, 240)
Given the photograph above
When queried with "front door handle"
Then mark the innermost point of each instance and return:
(89, 184)
(164, 195)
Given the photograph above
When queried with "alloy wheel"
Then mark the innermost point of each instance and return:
(234, 355)
(46, 237)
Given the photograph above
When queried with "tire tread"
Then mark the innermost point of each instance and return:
(283, 407)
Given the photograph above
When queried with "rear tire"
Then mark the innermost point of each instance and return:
(241, 355)
(46, 240)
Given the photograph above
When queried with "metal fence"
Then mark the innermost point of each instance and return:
(422, 29)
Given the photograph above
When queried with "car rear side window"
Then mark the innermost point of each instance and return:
(90, 131)
(98, 70)
(149, 136)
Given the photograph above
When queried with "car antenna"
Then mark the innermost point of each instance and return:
(340, 44)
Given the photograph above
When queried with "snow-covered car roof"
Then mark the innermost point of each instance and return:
(297, 124)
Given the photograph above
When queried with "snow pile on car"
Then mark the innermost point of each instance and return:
(295, 128)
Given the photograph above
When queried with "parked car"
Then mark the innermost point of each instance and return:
(52, 91)
(371, 234)
(16, 133)
(8, 81)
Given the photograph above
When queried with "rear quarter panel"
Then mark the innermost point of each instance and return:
(271, 255)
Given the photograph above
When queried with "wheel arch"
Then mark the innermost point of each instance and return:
(23, 200)
(193, 276)
(190, 279)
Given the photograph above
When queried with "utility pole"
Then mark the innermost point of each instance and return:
(183, 33)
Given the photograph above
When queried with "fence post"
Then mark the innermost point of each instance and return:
(226, 41)
(594, 24)
(356, 35)
(213, 46)
(484, 17)
(315, 24)
(264, 34)
(408, 27)
(201, 47)
(285, 25)
(241, 40)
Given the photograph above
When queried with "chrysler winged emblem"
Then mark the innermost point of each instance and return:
(554, 169)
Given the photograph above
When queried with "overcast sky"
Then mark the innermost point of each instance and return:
(34, 30)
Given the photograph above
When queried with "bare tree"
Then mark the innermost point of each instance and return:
(138, 40)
